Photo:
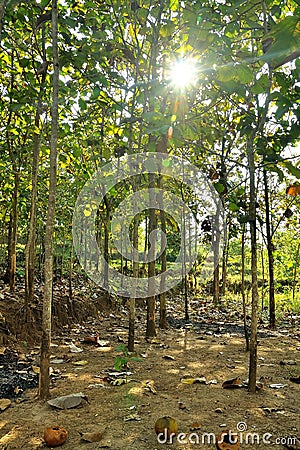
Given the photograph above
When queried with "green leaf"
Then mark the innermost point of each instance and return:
(233, 207)
(96, 92)
(219, 187)
(260, 85)
(243, 73)
(167, 29)
(77, 151)
(225, 73)
(82, 104)
(152, 116)
(174, 5)
(292, 169)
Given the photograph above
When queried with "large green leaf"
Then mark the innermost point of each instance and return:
(292, 169)
(243, 73)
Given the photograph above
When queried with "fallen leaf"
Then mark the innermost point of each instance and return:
(169, 357)
(119, 374)
(92, 437)
(277, 386)
(119, 381)
(199, 380)
(132, 417)
(35, 369)
(103, 343)
(96, 385)
(195, 426)
(74, 349)
(148, 385)
(67, 401)
(212, 382)
(234, 383)
(82, 362)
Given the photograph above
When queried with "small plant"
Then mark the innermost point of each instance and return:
(124, 357)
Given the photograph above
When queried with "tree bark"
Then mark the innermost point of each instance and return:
(151, 329)
(225, 262)
(31, 241)
(272, 316)
(243, 290)
(295, 271)
(44, 380)
(2, 13)
(135, 270)
(14, 234)
(30, 250)
(162, 296)
(216, 251)
(254, 308)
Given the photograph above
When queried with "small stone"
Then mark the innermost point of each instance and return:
(219, 411)
(4, 404)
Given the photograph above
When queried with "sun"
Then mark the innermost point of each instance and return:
(183, 73)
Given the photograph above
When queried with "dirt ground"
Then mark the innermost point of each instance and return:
(155, 388)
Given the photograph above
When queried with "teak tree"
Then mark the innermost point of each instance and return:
(44, 379)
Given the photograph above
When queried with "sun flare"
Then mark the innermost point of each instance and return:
(183, 73)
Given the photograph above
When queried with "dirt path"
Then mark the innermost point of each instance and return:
(155, 388)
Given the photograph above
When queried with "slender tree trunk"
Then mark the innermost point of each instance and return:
(31, 242)
(243, 290)
(70, 277)
(151, 329)
(254, 309)
(263, 279)
(2, 14)
(252, 213)
(272, 317)
(216, 251)
(9, 235)
(14, 235)
(44, 380)
(30, 250)
(106, 251)
(225, 262)
(184, 275)
(295, 271)
(135, 269)
(162, 296)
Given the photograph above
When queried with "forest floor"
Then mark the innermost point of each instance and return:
(207, 350)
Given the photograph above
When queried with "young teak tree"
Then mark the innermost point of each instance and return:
(44, 381)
